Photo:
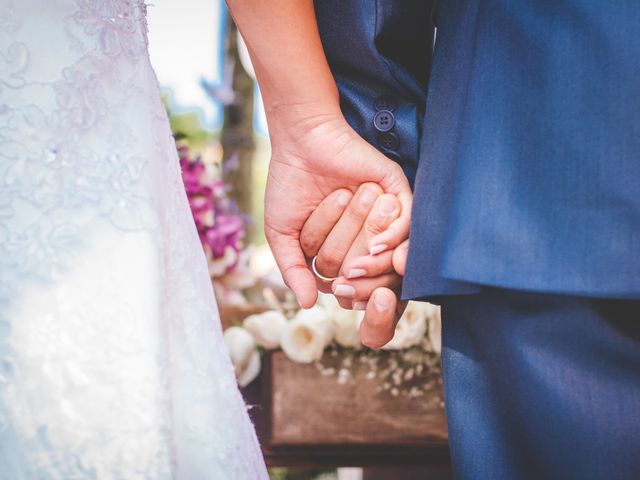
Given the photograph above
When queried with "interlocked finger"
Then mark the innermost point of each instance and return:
(385, 211)
(333, 251)
(322, 220)
(360, 289)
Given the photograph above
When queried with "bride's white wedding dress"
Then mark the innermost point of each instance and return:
(112, 364)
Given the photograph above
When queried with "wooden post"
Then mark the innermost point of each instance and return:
(237, 129)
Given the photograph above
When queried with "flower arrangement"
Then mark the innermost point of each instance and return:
(405, 366)
(220, 226)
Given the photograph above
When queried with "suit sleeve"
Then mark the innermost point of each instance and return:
(379, 52)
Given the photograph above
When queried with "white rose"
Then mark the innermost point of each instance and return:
(346, 323)
(307, 335)
(347, 327)
(245, 357)
(435, 330)
(411, 328)
(266, 328)
(328, 302)
(319, 316)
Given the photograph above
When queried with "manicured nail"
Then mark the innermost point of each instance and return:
(360, 306)
(344, 291)
(368, 197)
(376, 249)
(381, 303)
(356, 273)
(343, 199)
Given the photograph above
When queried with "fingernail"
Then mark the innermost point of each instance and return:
(381, 303)
(368, 197)
(343, 199)
(344, 291)
(376, 249)
(360, 306)
(356, 273)
(387, 206)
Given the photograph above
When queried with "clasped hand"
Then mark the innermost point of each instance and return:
(332, 196)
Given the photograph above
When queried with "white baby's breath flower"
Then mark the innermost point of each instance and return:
(307, 335)
(266, 328)
(411, 328)
(245, 357)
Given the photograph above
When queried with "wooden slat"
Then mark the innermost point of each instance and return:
(310, 409)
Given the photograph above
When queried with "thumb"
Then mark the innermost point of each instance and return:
(363, 163)
(381, 316)
(292, 264)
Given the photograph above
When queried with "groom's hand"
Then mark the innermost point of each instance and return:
(312, 158)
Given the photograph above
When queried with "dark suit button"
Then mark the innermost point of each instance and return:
(388, 141)
(385, 102)
(384, 121)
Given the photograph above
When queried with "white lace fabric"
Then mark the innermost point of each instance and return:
(112, 364)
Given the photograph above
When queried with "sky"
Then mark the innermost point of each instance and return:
(185, 43)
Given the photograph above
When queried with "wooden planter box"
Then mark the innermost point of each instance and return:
(306, 419)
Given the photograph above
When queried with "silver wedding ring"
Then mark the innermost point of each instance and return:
(318, 274)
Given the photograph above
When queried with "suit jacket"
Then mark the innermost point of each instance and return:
(527, 163)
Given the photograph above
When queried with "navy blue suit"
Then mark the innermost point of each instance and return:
(526, 218)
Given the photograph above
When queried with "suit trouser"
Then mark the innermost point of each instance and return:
(542, 386)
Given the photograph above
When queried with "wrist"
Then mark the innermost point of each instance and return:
(293, 120)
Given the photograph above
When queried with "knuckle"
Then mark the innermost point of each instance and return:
(363, 291)
(287, 270)
(356, 213)
(367, 194)
(395, 169)
(345, 303)
(342, 195)
(330, 260)
(374, 343)
(364, 200)
(368, 343)
(309, 243)
(375, 224)
(372, 187)
(378, 324)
